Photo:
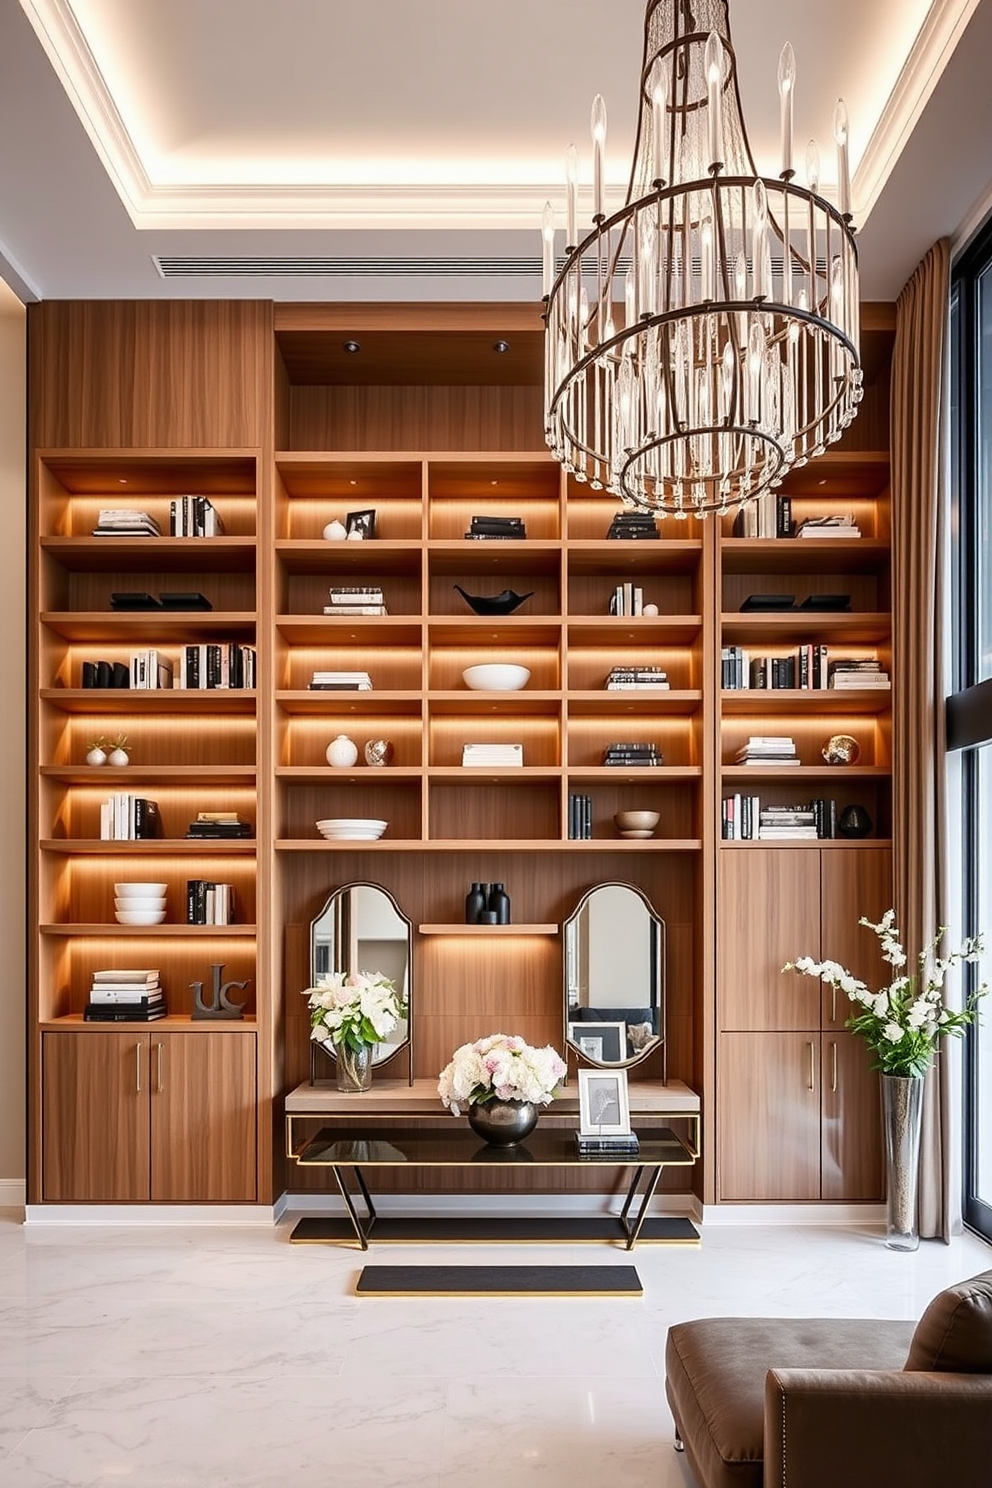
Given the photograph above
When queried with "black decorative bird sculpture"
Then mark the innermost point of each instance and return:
(503, 603)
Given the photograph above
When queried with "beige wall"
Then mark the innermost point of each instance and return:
(13, 988)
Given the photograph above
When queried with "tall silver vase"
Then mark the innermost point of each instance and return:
(902, 1113)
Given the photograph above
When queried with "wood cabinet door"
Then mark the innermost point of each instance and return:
(768, 1143)
(95, 1117)
(769, 914)
(851, 1149)
(203, 1117)
(852, 884)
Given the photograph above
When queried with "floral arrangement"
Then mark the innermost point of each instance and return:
(903, 1022)
(500, 1067)
(353, 1009)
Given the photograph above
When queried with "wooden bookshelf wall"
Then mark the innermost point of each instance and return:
(429, 427)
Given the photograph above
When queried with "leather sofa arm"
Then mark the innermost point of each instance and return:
(863, 1428)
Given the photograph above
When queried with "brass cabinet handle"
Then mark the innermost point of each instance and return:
(833, 1004)
(811, 1083)
(833, 1067)
(159, 1051)
(137, 1069)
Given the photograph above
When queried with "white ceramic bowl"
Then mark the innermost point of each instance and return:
(140, 916)
(496, 676)
(351, 821)
(152, 903)
(138, 890)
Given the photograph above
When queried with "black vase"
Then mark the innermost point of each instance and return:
(854, 822)
(499, 902)
(475, 903)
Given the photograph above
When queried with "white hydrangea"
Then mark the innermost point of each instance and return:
(502, 1065)
(365, 1003)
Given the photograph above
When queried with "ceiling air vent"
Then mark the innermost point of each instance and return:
(188, 267)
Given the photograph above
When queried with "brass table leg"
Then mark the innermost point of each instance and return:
(634, 1228)
(361, 1231)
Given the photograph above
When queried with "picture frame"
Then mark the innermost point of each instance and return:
(604, 1103)
(362, 522)
(591, 1047)
(612, 1037)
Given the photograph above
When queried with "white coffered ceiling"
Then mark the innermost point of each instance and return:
(405, 150)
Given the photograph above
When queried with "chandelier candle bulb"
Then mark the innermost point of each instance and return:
(659, 118)
(843, 168)
(571, 196)
(548, 239)
(759, 240)
(707, 267)
(713, 65)
(598, 127)
(786, 89)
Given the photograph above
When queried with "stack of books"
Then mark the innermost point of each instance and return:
(209, 903)
(627, 599)
(786, 823)
(496, 528)
(769, 516)
(226, 824)
(579, 818)
(150, 670)
(768, 749)
(360, 599)
(340, 682)
(633, 525)
(865, 673)
(594, 1146)
(633, 754)
(128, 818)
(739, 817)
(836, 526)
(805, 668)
(194, 516)
(125, 522)
(125, 997)
(212, 665)
(492, 756)
(636, 678)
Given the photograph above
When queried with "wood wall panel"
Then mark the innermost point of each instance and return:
(157, 374)
(769, 914)
(415, 418)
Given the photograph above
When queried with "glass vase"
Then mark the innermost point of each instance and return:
(354, 1068)
(902, 1113)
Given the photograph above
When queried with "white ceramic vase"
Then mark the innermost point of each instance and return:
(342, 752)
(96, 756)
(118, 757)
(335, 531)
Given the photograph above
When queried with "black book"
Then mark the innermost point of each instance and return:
(179, 600)
(133, 600)
(121, 676)
(88, 678)
(121, 1013)
(830, 602)
(768, 602)
(104, 674)
(147, 822)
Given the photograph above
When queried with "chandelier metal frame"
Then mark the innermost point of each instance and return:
(704, 339)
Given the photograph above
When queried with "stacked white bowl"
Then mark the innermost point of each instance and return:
(351, 828)
(140, 903)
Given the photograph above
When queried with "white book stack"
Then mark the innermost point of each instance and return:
(855, 674)
(786, 823)
(365, 599)
(125, 522)
(492, 756)
(837, 526)
(768, 749)
(330, 681)
(125, 997)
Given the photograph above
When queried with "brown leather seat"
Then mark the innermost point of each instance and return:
(818, 1403)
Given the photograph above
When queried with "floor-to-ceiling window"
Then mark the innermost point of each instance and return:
(970, 707)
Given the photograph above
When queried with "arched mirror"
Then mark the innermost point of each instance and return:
(615, 977)
(362, 928)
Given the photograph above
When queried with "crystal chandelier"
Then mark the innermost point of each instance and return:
(704, 339)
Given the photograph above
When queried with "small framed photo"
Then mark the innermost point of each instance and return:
(612, 1039)
(604, 1107)
(362, 522)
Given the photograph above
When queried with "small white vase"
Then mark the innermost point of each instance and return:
(335, 531)
(342, 752)
(118, 757)
(96, 756)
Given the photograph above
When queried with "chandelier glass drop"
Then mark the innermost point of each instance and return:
(704, 339)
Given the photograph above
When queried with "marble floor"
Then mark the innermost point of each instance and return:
(228, 1358)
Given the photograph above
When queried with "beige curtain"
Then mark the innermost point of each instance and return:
(919, 365)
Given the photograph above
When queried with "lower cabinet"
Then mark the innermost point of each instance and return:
(143, 1115)
(805, 1122)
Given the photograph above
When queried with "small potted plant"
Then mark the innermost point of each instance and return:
(502, 1080)
(117, 751)
(96, 753)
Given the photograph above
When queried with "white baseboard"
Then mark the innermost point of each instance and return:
(724, 1216)
(13, 1193)
(151, 1215)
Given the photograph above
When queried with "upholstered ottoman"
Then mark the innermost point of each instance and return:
(715, 1381)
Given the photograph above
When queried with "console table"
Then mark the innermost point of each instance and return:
(385, 1128)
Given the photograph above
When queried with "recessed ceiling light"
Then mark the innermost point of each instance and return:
(352, 347)
(500, 347)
